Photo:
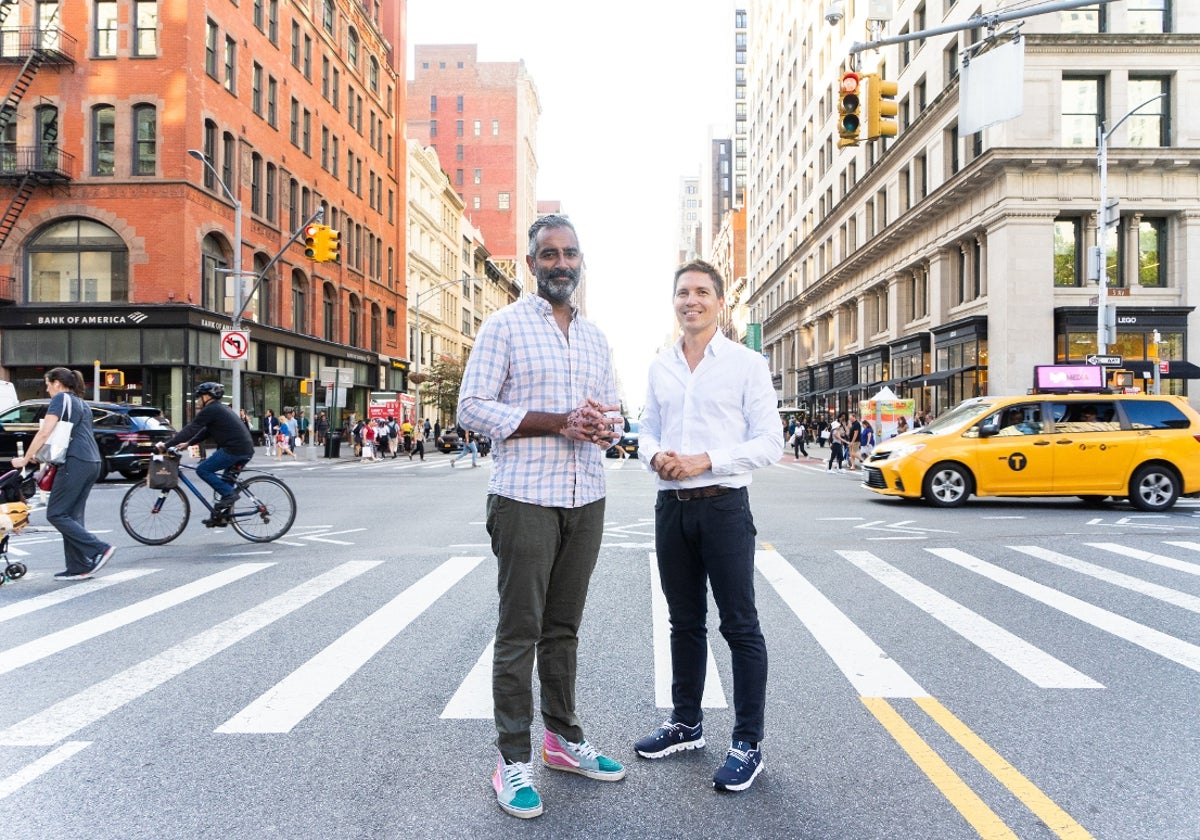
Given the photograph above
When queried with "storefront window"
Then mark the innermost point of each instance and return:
(78, 261)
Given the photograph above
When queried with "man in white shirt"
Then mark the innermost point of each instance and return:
(710, 419)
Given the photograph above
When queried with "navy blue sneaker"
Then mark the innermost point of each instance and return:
(670, 738)
(742, 765)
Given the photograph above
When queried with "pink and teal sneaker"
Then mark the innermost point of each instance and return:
(560, 754)
(515, 792)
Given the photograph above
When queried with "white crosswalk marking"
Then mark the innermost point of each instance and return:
(864, 663)
(714, 693)
(1034, 664)
(1133, 584)
(1156, 559)
(1176, 650)
(49, 599)
(47, 762)
(85, 707)
(473, 699)
(296, 696)
(53, 643)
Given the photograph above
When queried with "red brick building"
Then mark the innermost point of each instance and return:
(481, 116)
(117, 245)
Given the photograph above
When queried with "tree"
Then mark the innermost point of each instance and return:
(441, 390)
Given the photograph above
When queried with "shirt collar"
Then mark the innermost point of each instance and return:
(543, 307)
(715, 347)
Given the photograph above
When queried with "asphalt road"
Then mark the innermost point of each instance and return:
(1008, 669)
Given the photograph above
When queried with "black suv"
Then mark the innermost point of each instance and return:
(125, 433)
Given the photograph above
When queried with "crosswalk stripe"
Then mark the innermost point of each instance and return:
(1169, 647)
(297, 695)
(714, 693)
(49, 599)
(42, 765)
(868, 668)
(56, 642)
(1133, 584)
(1032, 663)
(473, 699)
(85, 707)
(1156, 559)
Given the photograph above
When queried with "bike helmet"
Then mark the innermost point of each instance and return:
(214, 389)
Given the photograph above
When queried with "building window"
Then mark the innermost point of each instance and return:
(145, 27)
(210, 152)
(272, 97)
(1152, 252)
(103, 139)
(458, 151)
(458, 128)
(325, 77)
(308, 57)
(433, 104)
(1082, 109)
(477, 127)
(495, 128)
(459, 103)
(1068, 252)
(306, 132)
(502, 201)
(458, 177)
(1148, 127)
(294, 123)
(145, 139)
(256, 89)
(1150, 16)
(258, 15)
(335, 88)
(329, 312)
(325, 148)
(273, 21)
(327, 15)
(75, 261)
(478, 178)
(293, 204)
(373, 75)
(106, 29)
(256, 166)
(228, 164)
(269, 197)
(215, 293)
(355, 318)
(1090, 19)
(476, 202)
(433, 128)
(352, 49)
(210, 50)
(299, 316)
(230, 64)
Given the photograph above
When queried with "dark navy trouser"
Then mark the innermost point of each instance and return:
(213, 467)
(704, 541)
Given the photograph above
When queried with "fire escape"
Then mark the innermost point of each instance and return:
(26, 168)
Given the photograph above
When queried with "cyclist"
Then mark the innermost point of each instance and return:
(216, 420)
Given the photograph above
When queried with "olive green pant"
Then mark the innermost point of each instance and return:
(545, 557)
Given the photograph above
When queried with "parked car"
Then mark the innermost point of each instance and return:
(1127, 446)
(449, 441)
(125, 433)
(628, 441)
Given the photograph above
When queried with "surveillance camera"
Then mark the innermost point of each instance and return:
(834, 14)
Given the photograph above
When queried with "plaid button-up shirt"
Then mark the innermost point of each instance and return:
(522, 362)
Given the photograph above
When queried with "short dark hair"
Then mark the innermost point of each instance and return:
(704, 268)
(548, 222)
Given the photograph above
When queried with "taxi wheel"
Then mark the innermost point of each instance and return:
(1154, 487)
(947, 485)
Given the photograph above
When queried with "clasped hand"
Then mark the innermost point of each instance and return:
(591, 423)
(672, 466)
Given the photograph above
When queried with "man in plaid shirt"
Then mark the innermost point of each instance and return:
(539, 383)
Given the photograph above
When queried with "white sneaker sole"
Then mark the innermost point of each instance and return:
(698, 744)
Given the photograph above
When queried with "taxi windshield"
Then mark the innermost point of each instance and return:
(955, 417)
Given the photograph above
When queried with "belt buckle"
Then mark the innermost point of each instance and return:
(678, 497)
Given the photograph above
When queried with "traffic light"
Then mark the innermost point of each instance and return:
(330, 242)
(881, 107)
(306, 386)
(113, 378)
(849, 103)
(311, 240)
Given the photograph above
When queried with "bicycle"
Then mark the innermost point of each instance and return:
(263, 511)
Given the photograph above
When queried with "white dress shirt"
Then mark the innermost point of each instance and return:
(725, 407)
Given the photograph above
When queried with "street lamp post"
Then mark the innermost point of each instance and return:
(238, 304)
(1101, 267)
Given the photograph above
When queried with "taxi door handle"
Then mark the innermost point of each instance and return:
(1066, 442)
(1041, 443)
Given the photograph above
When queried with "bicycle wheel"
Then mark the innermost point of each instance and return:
(265, 510)
(154, 517)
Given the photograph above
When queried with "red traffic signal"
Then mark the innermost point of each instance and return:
(849, 104)
(311, 234)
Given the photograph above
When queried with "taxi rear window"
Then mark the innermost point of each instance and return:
(1154, 414)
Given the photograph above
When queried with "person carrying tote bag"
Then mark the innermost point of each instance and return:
(85, 553)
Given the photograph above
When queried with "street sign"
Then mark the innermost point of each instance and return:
(1164, 366)
(1105, 361)
(235, 344)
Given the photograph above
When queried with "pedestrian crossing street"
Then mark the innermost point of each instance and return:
(313, 685)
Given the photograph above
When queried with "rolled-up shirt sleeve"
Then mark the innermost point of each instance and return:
(479, 406)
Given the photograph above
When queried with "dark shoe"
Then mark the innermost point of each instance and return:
(742, 764)
(103, 557)
(670, 738)
(65, 575)
(218, 520)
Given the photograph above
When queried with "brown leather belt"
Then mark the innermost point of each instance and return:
(688, 494)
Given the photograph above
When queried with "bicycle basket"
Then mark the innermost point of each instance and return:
(163, 473)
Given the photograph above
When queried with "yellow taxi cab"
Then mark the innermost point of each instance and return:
(1136, 446)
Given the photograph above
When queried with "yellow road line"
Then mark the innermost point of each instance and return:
(1058, 820)
(976, 812)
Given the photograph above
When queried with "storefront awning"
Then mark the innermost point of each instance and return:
(938, 377)
(1176, 370)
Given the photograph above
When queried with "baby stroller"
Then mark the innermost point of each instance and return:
(15, 487)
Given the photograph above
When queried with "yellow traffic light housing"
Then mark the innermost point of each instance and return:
(312, 235)
(330, 241)
(881, 107)
(306, 386)
(112, 378)
(849, 105)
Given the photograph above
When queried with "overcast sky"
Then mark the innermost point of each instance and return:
(630, 93)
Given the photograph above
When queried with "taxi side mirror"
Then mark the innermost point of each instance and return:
(987, 429)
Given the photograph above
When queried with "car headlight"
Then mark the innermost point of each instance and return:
(904, 451)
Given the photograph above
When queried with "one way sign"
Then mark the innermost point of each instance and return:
(1105, 361)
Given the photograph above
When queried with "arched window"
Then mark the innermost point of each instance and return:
(260, 307)
(104, 137)
(76, 261)
(215, 256)
(210, 152)
(46, 117)
(270, 198)
(329, 312)
(293, 204)
(376, 327)
(228, 164)
(373, 75)
(145, 139)
(299, 302)
(352, 48)
(355, 321)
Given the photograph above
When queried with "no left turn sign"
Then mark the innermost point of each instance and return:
(235, 344)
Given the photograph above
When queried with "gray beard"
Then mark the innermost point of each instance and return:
(557, 290)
